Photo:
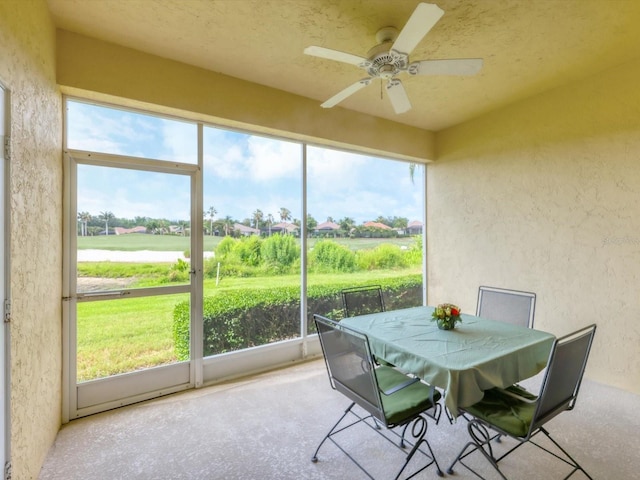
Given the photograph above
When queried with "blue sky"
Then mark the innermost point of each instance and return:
(242, 172)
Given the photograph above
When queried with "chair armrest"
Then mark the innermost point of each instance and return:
(529, 398)
(400, 386)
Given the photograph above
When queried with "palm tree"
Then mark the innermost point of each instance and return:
(412, 170)
(269, 222)
(212, 213)
(257, 218)
(347, 224)
(184, 226)
(163, 226)
(84, 218)
(312, 223)
(285, 214)
(152, 226)
(106, 217)
(227, 223)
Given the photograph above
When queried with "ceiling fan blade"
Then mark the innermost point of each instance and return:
(423, 18)
(461, 66)
(398, 96)
(335, 55)
(350, 90)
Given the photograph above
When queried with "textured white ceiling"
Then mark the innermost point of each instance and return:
(528, 46)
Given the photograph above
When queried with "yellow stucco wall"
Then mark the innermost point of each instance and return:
(27, 69)
(544, 196)
(90, 65)
(540, 196)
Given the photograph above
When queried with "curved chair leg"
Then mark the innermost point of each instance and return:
(437, 412)
(418, 433)
(480, 441)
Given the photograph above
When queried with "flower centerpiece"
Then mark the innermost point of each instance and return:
(446, 315)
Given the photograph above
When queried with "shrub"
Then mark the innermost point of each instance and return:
(384, 256)
(225, 246)
(240, 319)
(414, 255)
(280, 252)
(248, 250)
(237, 258)
(329, 256)
(179, 272)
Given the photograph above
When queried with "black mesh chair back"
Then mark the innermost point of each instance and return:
(350, 366)
(509, 306)
(563, 376)
(362, 300)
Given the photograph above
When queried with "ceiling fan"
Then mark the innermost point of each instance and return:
(391, 57)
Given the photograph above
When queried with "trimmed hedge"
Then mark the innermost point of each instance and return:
(239, 319)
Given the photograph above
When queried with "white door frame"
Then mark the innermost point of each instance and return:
(103, 394)
(5, 363)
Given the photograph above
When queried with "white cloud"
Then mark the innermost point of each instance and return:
(180, 140)
(242, 172)
(270, 159)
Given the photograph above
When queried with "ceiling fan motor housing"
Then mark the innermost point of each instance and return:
(384, 62)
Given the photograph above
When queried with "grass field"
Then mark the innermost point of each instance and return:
(127, 334)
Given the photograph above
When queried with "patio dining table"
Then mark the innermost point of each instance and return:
(479, 354)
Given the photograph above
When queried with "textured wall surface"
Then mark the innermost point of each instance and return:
(544, 196)
(27, 68)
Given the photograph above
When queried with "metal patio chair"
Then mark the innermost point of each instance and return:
(516, 413)
(362, 300)
(510, 306)
(388, 397)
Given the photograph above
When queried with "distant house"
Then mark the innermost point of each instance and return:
(244, 230)
(284, 227)
(327, 226)
(327, 229)
(377, 225)
(124, 231)
(414, 227)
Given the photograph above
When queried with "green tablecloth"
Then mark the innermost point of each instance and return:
(477, 355)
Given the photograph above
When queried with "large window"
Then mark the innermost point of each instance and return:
(180, 258)
(364, 217)
(252, 202)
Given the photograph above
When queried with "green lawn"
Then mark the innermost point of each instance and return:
(125, 335)
(128, 334)
(141, 241)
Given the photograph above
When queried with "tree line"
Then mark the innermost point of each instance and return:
(104, 222)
